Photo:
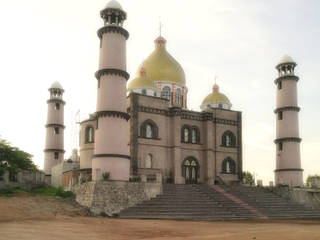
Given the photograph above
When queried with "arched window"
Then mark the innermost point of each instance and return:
(228, 166)
(178, 97)
(149, 161)
(220, 105)
(190, 134)
(166, 92)
(144, 92)
(185, 134)
(190, 170)
(89, 134)
(195, 135)
(149, 129)
(228, 139)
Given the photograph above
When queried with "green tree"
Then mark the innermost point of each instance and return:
(310, 178)
(248, 178)
(12, 158)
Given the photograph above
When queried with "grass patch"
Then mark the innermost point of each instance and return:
(42, 191)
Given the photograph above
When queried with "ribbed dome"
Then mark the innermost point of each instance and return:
(216, 97)
(286, 59)
(56, 85)
(161, 66)
(113, 4)
(141, 80)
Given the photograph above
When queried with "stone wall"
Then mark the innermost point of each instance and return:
(24, 179)
(306, 196)
(111, 197)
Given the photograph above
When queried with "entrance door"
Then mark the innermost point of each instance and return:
(190, 171)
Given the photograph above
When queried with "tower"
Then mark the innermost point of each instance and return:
(111, 153)
(288, 164)
(54, 146)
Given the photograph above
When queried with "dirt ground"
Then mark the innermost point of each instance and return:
(38, 217)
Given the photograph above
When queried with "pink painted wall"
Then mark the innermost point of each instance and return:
(287, 96)
(112, 136)
(112, 93)
(113, 51)
(55, 116)
(119, 168)
(289, 125)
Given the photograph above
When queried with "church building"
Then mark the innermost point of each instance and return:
(166, 140)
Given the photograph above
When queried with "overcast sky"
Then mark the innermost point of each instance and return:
(43, 41)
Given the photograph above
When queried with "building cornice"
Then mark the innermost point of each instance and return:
(112, 71)
(117, 114)
(113, 29)
(54, 150)
(56, 101)
(289, 170)
(55, 125)
(287, 108)
(288, 139)
(286, 77)
(111, 155)
(198, 116)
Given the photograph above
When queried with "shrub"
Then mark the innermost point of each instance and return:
(103, 214)
(106, 176)
(64, 194)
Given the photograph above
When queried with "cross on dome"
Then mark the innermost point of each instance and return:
(142, 70)
(160, 41)
(215, 88)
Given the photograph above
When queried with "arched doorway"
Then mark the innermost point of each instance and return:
(190, 170)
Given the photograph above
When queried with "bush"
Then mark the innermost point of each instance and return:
(106, 176)
(103, 214)
(64, 194)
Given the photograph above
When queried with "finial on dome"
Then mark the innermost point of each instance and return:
(215, 87)
(160, 41)
(142, 70)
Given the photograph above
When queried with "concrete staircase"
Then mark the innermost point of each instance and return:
(203, 202)
(270, 204)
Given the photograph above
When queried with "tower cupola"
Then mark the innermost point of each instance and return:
(113, 14)
(286, 66)
(56, 91)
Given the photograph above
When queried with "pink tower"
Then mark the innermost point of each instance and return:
(111, 153)
(288, 164)
(54, 146)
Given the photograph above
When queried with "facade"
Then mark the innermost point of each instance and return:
(144, 129)
(54, 145)
(162, 139)
(288, 164)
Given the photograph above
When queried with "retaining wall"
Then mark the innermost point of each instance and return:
(110, 197)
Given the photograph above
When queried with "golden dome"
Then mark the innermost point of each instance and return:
(161, 66)
(216, 97)
(141, 80)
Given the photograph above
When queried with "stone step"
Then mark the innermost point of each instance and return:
(202, 202)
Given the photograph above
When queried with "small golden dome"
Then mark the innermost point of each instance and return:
(216, 97)
(162, 66)
(141, 80)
